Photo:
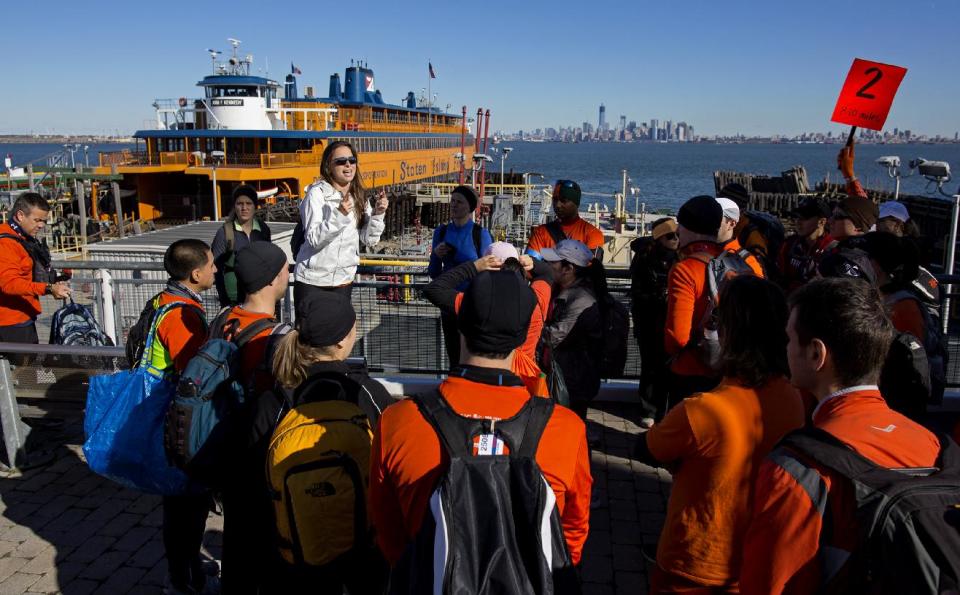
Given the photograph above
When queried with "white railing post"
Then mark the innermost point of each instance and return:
(14, 431)
(107, 305)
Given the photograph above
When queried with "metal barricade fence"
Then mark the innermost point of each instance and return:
(398, 330)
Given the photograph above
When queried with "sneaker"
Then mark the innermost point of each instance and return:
(647, 423)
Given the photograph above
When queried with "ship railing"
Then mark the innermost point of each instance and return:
(174, 157)
(124, 157)
(300, 158)
(398, 330)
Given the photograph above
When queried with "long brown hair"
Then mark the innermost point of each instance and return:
(356, 186)
(752, 319)
(292, 358)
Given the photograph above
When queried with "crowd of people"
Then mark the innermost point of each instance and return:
(750, 343)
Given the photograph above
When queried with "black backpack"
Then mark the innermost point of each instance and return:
(908, 519)
(771, 228)
(39, 254)
(616, 330)
(476, 230)
(137, 336)
(493, 518)
(905, 381)
(935, 344)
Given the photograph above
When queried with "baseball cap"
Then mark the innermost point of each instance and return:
(502, 250)
(862, 211)
(894, 209)
(567, 190)
(730, 208)
(495, 312)
(811, 207)
(572, 251)
(258, 265)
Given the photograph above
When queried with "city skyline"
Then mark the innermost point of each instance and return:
(709, 68)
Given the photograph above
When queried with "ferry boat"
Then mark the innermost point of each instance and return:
(251, 129)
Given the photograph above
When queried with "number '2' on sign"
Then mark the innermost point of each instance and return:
(867, 94)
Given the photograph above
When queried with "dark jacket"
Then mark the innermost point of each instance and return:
(228, 289)
(648, 283)
(573, 336)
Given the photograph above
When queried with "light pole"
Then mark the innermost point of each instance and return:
(86, 156)
(503, 157)
(217, 156)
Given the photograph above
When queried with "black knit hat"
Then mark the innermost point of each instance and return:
(258, 265)
(701, 214)
(246, 190)
(324, 318)
(468, 193)
(495, 312)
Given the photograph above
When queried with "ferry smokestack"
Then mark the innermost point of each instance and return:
(290, 87)
(411, 100)
(335, 92)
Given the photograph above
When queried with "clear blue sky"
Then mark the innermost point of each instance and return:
(734, 66)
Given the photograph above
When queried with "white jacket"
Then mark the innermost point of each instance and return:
(331, 248)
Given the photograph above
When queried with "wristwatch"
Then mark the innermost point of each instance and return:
(48, 290)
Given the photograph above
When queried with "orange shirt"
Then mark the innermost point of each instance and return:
(255, 350)
(781, 544)
(907, 318)
(577, 230)
(541, 289)
(406, 462)
(19, 295)
(718, 440)
(182, 331)
(686, 304)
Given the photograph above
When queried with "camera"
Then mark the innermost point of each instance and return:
(889, 161)
(934, 170)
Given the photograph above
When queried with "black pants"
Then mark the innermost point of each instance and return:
(365, 573)
(249, 535)
(26, 333)
(184, 522)
(654, 374)
(301, 290)
(451, 338)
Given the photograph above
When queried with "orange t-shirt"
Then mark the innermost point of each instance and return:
(577, 230)
(182, 332)
(255, 350)
(717, 440)
(406, 463)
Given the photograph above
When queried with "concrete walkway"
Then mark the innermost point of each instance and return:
(66, 530)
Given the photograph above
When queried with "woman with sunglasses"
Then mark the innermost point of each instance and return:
(336, 218)
(652, 258)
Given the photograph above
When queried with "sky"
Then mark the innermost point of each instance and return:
(751, 67)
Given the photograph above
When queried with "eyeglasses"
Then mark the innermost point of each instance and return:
(341, 161)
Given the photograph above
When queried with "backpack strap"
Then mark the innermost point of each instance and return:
(452, 430)
(475, 230)
(255, 328)
(556, 231)
(229, 233)
(538, 415)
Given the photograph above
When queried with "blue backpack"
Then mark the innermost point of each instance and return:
(208, 400)
(74, 324)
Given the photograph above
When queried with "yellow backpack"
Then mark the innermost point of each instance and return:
(318, 469)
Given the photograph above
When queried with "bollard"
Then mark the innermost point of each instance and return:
(107, 307)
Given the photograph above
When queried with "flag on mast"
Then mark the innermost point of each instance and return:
(294, 69)
(433, 74)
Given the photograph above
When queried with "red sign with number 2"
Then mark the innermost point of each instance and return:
(867, 94)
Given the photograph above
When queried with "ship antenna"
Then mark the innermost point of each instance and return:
(213, 58)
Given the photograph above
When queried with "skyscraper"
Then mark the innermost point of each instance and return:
(602, 125)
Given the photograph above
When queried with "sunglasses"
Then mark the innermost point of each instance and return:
(341, 161)
(672, 235)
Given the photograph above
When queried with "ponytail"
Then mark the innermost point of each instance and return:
(292, 358)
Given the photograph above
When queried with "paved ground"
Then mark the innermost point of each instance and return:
(65, 530)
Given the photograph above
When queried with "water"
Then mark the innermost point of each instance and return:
(667, 174)
(36, 153)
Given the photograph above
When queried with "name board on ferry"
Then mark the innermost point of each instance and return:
(867, 94)
(220, 102)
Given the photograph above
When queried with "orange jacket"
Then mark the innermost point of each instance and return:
(717, 441)
(19, 295)
(578, 230)
(781, 550)
(181, 332)
(907, 318)
(406, 463)
(751, 260)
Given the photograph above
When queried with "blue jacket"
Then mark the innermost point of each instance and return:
(461, 238)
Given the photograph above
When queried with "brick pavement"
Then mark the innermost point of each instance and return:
(65, 530)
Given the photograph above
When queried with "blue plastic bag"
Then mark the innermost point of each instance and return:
(124, 424)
